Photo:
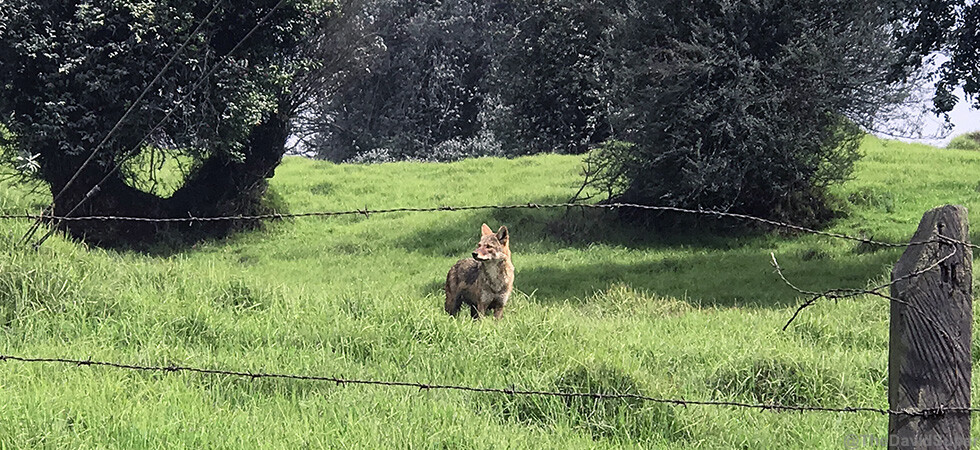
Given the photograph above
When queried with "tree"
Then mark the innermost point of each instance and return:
(545, 83)
(948, 27)
(72, 68)
(423, 89)
(459, 78)
(754, 107)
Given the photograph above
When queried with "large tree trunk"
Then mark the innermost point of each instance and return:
(220, 186)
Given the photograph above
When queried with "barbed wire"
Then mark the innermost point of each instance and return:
(842, 293)
(368, 212)
(139, 99)
(340, 381)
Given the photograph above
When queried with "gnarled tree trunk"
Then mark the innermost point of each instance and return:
(219, 186)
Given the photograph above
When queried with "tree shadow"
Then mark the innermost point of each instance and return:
(743, 278)
(164, 240)
(705, 262)
(553, 229)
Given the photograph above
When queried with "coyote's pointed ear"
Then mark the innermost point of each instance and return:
(503, 235)
(485, 230)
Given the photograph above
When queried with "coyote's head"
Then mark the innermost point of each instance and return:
(492, 246)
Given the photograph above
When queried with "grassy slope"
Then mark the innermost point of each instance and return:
(695, 317)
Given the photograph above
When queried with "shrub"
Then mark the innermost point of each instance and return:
(746, 107)
(968, 141)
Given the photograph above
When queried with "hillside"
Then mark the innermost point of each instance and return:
(598, 307)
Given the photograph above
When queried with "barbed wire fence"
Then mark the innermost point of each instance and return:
(46, 216)
(929, 412)
(925, 413)
(935, 411)
(368, 212)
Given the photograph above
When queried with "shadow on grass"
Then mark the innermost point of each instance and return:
(707, 265)
(555, 229)
(740, 279)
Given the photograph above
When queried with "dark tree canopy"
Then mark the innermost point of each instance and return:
(457, 78)
(72, 68)
(546, 83)
(422, 90)
(950, 28)
(752, 107)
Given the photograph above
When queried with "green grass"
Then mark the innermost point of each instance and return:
(598, 307)
(158, 172)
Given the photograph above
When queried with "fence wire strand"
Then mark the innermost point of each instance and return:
(842, 293)
(122, 119)
(95, 189)
(368, 212)
(340, 381)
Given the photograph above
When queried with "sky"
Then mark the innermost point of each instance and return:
(963, 118)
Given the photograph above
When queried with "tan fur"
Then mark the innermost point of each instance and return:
(484, 281)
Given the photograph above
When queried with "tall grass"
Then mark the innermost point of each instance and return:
(599, 306)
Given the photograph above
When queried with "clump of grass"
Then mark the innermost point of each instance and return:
(865, 247)
(782, 381)
(868, 196)
(194, 330)
(812, 254)
(33, 292)
(625, 420)
(322, 188)
(239, 296)
(623, 300)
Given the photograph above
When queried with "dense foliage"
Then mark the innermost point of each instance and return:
(749, 107)
(457, 78)
(948, 28)
(71, 69)
(421, 92)
(968, 141)
(546, 83)
(744, 106)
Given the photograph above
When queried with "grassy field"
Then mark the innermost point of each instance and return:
(598, 307)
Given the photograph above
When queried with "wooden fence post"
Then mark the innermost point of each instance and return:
(930, 335)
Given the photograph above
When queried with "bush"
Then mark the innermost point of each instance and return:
(746, 107)
(460, 78)
(968, 141)
(545, 85)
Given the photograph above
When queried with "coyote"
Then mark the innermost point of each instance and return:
(485, 280)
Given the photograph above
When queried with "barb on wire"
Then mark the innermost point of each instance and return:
(837, 294)
(605, 206)
(339, 381)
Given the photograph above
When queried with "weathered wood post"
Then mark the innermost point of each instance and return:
(929, 348)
